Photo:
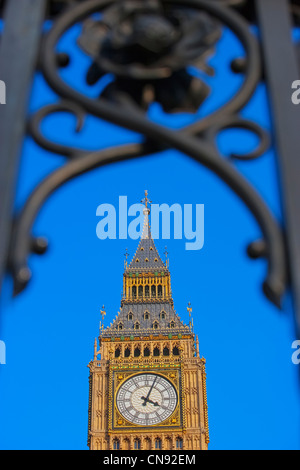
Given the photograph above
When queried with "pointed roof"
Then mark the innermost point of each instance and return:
(168, 321)
(149, 315)
(146, 255)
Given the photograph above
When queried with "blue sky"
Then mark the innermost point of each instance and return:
(49, 330)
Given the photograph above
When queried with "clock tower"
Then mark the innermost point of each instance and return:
(147, 383)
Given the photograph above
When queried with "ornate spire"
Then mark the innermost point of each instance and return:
(147, 303)
(146, 256)
(146, 229)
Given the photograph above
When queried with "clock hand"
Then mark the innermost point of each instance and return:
(146, 399)
(153, 403)
(149, 401)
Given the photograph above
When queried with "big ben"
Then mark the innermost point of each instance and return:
(147, 383)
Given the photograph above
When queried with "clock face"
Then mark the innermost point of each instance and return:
(146, 399)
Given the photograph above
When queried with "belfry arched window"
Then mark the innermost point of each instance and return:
(153, 291)
(127, 352)
(134, 292)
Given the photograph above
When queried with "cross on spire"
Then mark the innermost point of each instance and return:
(146, 200)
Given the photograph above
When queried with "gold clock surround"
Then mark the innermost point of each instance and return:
(120, 423)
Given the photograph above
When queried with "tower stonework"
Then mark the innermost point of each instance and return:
(147, 383)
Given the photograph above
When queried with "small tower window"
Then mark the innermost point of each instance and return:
(163, 315)
(134, 292)
(137, 352)
(159, 290)
(130, 316)
(116, 444)
(151, 248)
(137, 326)
(137, 260)
(175, 351)
(156, 352)
(155, 325)
(157, 443)
(120, 326)
(172, 324)
(140, 291)
(166, 352)
(156, 260)
(117, 352)
(146, 315)
(153, 291)
(137, 444)
(146, 260)
(179, 443)
(147, 291)
(142, 248)
(146, 352)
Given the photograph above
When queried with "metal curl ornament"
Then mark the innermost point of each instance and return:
(34, 129)
(191, 140)
(236, 122)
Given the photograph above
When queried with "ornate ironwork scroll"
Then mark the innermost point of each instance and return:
(148, 48)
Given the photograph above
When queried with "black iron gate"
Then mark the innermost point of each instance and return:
(148, 45)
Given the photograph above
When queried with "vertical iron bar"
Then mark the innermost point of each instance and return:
(281, 70)
(18, 55)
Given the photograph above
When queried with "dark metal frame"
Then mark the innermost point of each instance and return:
(20, 39)
(197, 140)
(280, 75)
